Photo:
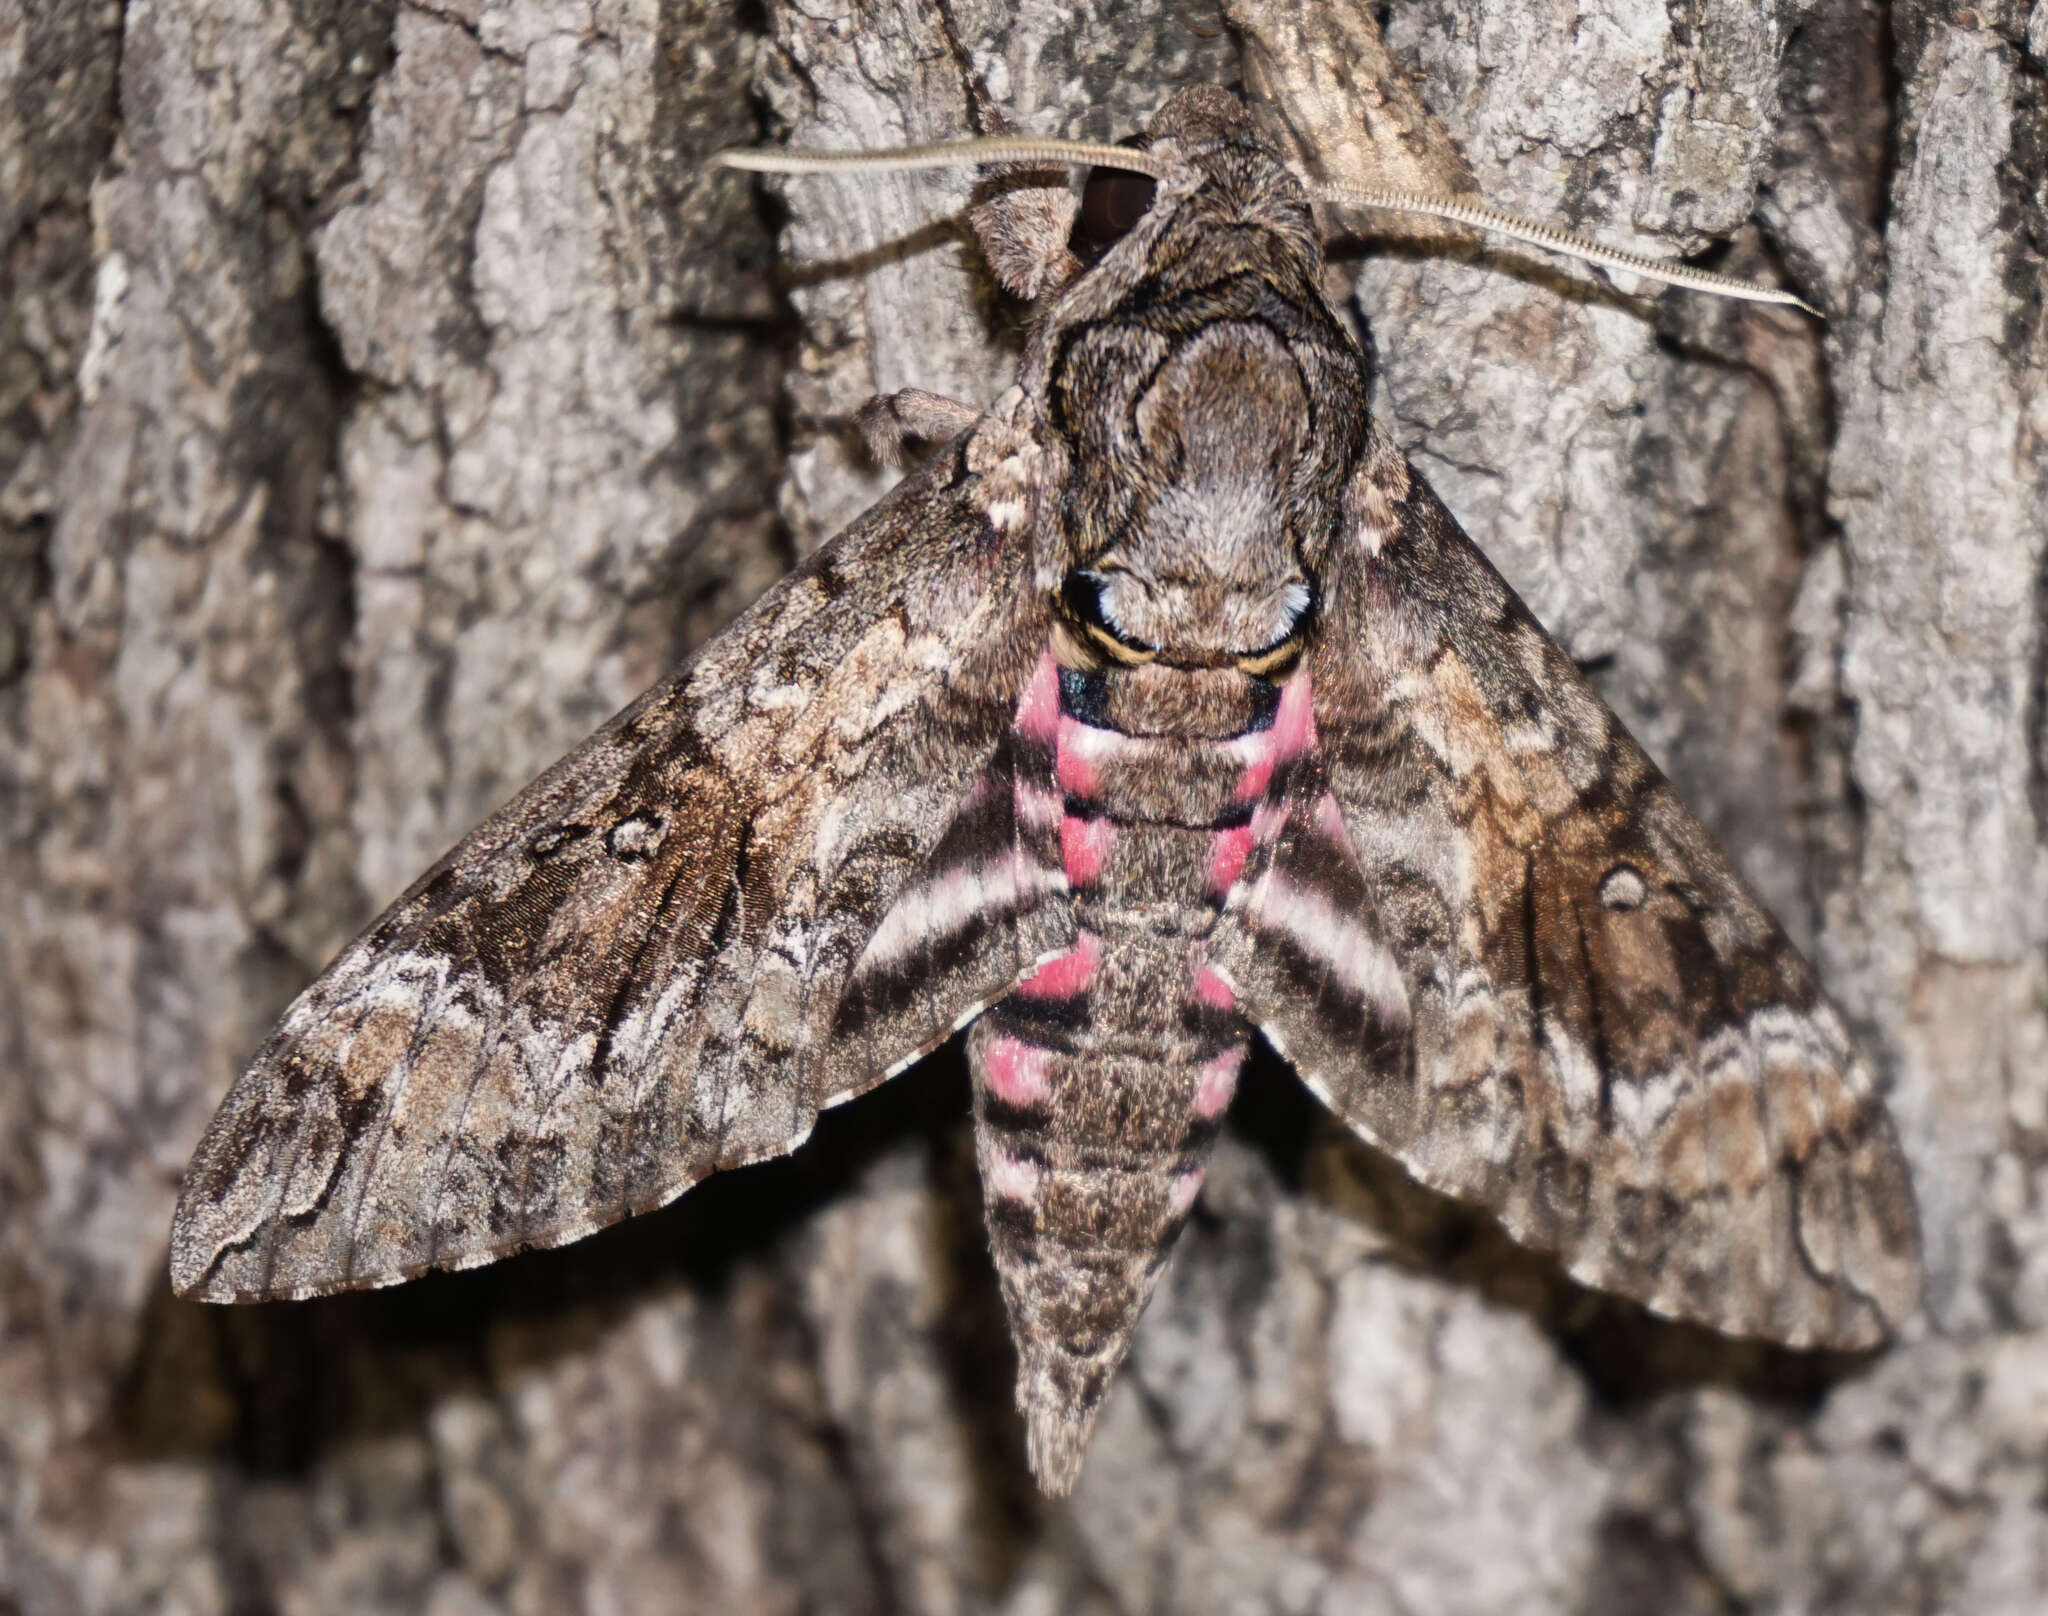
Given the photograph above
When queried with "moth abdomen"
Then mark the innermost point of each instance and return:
(1101, 1082)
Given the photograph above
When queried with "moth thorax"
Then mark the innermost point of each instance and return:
(1205, 569)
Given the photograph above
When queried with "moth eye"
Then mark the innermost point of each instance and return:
(1112, 202)
(1081, 594)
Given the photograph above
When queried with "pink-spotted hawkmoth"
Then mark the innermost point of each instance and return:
(1165, 705)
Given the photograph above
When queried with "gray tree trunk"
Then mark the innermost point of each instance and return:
(386, 394)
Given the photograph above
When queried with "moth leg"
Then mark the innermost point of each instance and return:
(889, 420)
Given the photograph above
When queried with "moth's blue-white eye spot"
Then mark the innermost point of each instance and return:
(1082, 593)
(1297, 605)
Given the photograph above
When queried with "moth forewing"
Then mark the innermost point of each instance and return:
(1165, 704)
(584, 1007)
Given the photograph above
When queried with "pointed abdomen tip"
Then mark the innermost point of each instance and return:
(1060, 1396)
(1058, 1445)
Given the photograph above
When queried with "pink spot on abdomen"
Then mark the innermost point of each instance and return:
(1218, 1083)
(1038, 711)
(1011, 1178)
(1084, 844)
(1226, 858)
(1211, 990)
(1075, 761)
(1016, 1072)
(1066, 975)
(1181, 1193)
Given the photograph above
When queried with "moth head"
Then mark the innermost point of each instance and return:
(1198, 184)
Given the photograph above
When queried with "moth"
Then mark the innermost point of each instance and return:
(1163, 707)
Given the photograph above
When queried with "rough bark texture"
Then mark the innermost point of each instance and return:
(385, 395)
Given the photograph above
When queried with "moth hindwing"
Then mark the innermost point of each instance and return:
(1164, 705)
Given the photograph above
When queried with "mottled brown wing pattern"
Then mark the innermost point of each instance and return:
(1610, 1043)
(627, 977)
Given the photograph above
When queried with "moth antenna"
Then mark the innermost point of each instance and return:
(1543, 235)
(943, 154)
(1081, 153)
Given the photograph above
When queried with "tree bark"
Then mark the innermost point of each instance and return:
(387, 393)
